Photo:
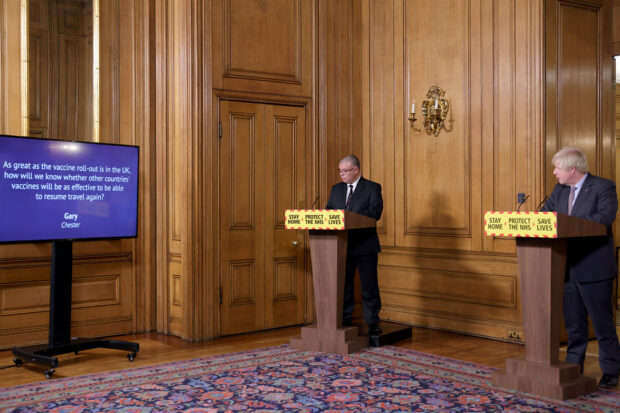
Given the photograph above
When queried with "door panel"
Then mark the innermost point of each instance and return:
(241, 192)
(262, 173)
(284, 262)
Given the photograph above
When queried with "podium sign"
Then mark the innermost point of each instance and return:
(521, 224)
(330, 219)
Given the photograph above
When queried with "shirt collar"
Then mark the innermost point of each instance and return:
(579, 184)
(355, 183)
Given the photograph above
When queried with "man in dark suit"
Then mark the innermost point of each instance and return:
(590, 263)
(357, 194)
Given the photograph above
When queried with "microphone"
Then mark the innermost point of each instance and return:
(542, 203)
(522, 202)
(317, 198)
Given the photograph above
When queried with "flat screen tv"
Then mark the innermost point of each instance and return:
(54, 190)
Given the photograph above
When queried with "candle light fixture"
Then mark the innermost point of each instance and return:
(434, 110)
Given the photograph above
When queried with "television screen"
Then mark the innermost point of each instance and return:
(66, 190)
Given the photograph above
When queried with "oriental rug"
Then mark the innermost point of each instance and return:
(385, 379)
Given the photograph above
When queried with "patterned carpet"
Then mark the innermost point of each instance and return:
(282, 379)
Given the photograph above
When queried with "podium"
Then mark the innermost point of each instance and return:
(328, 231)
(541, 253)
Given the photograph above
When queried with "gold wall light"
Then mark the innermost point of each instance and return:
(434, 109)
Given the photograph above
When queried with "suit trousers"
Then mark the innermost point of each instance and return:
(371, 300)
(593, 299)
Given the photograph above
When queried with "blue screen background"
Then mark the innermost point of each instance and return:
(23, 217)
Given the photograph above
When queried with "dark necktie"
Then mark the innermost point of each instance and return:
(571, 199)
(350, 196)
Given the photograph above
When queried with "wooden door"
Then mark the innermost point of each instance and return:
(262, 173)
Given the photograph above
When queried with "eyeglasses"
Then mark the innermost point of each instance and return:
(345, 171)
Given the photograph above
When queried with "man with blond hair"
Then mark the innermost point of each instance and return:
(590, 262)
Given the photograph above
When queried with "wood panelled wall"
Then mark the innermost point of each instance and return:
(437, 268)
(60, 75)
(10, 68)
(372, 59)
(257, 51)
(501, 64)
(113, 290)
(524, 77)
(579, 66)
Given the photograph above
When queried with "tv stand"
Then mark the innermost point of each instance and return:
(60, 340)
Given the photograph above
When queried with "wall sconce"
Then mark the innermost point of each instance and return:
(434, 109)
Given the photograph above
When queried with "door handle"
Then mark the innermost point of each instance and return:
(294, 243)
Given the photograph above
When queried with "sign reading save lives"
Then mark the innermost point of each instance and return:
(521, 224)
(314, 219)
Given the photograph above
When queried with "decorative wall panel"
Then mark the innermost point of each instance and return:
(579, 61)
(263, 46)
(435, 197)
(437, 268)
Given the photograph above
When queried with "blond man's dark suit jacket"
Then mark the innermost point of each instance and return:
(592, 258)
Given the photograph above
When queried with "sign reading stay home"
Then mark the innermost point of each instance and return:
(521, 224)
(314, 219)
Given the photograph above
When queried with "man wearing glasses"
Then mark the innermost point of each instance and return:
(359, 195)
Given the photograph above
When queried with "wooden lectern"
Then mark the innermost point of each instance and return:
(542, 267)
(328, 250)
